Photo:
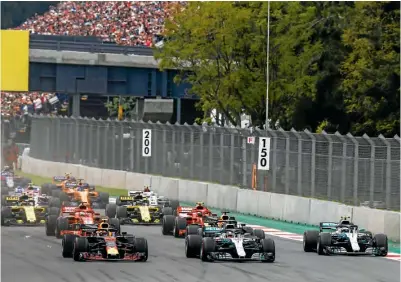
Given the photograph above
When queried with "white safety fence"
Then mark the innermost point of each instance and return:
(264, 204)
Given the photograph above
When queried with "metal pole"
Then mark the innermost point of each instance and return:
(267, 65)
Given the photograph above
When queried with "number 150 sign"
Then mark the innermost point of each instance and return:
(264, 153)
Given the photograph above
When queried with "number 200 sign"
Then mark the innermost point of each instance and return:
(146, 143)
(264, 153)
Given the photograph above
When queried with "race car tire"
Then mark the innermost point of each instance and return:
(4, 190)
(174, 204)
(248, 229)
(50, 225)
(118, 202)
(141, 246)
(55, 202)
(3, 199)
(5, 213)
(259, 233)
(323, 242)
(179, 224)
(44, 189)
(168, 224)
(193, 245)
(25, 181)
(122, 212)
(208, 246)
(192, 230)
(111, 210)
(56, 193)
(62, 224)
(104, 198)
(115, 222)
(81, 245)
(380, 241)
(52, 187)
(167, 211)
(54, 211)
(268, 246)
(68, 245)
(64, 197)
(310, 240)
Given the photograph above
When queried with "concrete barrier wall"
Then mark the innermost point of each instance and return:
(264, 204)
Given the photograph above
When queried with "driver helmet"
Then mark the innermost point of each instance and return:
(6, 168)
(67, 176)
(230, 234)
(199, 205)
(146, 189)
(102, 232)
(80, 188)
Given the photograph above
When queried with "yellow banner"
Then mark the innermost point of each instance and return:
(14, 60)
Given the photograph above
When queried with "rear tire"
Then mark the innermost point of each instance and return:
(259, 233)
(192, 230)
(111, 210)
(168, 224)
(167, 211)
(179, 224)
(62, 224)
(115, 222)
(50, 225)
(310, 240)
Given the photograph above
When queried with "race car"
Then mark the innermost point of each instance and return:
(21, 210)
(70, 218)
(104, 243)
(9, 180)
(344, 238)
(232, 242)
(177, 225)
(153, 198)
(34, 192)
(137, 210)
(58, 184)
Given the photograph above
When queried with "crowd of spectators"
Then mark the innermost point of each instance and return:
(126, 23)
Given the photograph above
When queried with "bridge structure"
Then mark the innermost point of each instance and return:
(80, 66)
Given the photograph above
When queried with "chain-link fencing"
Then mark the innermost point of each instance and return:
(342, 168)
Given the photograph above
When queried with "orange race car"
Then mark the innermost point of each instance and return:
(71, 219)
(59, 183)
(104, 242)
(186, 216)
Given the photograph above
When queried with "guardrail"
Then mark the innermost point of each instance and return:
(91, 47)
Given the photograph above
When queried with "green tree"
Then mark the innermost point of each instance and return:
(371, 71)
(128, 105)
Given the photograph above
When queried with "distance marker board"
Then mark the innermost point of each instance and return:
(264, 153)
(146, 143)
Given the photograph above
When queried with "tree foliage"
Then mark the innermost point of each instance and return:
(332, 65)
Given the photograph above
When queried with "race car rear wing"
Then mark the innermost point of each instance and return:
(126, 198)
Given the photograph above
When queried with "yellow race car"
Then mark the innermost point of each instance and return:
(21, 210)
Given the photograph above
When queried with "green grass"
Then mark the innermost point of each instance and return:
(39, 180)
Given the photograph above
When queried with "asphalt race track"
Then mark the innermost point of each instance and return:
(28, 255)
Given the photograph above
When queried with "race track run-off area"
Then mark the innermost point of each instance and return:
(29, 255)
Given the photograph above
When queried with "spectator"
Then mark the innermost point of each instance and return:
(126, 23)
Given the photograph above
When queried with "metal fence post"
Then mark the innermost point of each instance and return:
(356, 164)
(273, 158)
(343, 166)
(287, 161)
(191, 151)
(210, 157)
(313, 162)
(388, 171)
(232, 145)
(105, 138)
(372, 169)
(330, 164)
(222, 172)
(299, 165)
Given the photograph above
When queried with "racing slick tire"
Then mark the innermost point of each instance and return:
(4, 190)
(259, 233)
(141, 246)
(174, 204)
(50, 225)
(118, 202)
(208, 246)
(5, 213)
(167, 211)
(104, 198)
(54, 211)
(81, 245)
(193, 245)
(64, 197)
(248, 229)
(111, 210)
(122, 212)
(115, 222)
(68, 245)
(55, 202)
(380, 242)
(268, 246)
(168, 224)
(192, 230)
(179, 224)
(44, 189)
(323, 241)
(310, 240)
(56, 193)
(62, 224)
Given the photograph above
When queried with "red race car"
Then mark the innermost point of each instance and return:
(186, 217)
(104, 243)
(70, 219)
